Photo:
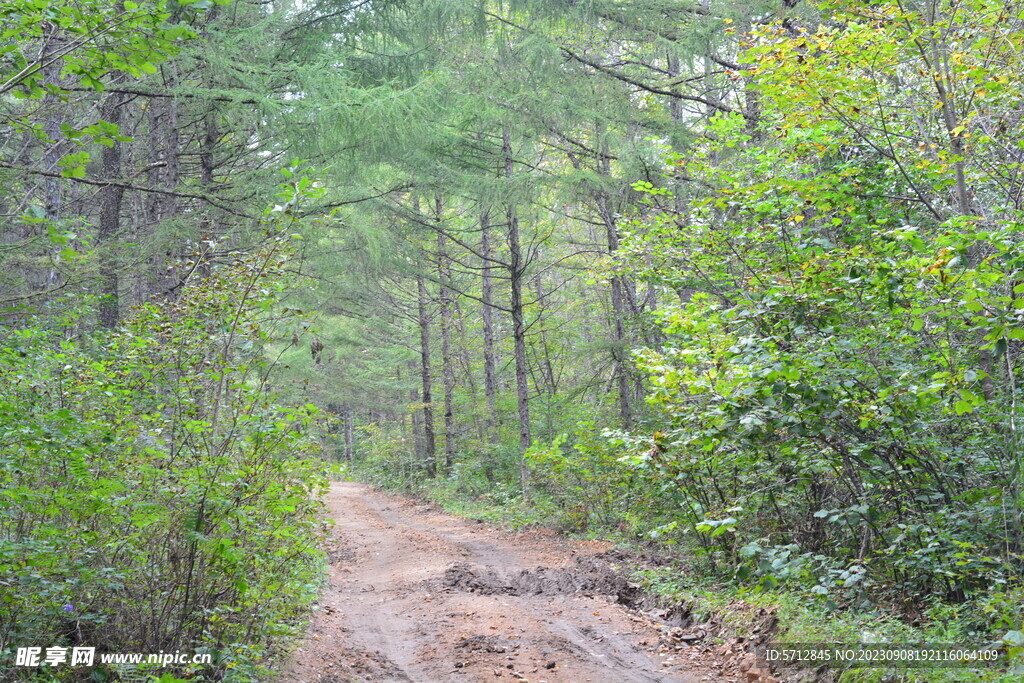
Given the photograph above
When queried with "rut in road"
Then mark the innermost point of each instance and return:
(418, 595)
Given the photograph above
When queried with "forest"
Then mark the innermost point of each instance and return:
(738, 284)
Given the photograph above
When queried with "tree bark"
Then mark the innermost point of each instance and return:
(619, 297)
(517, 268)
(429, 442)
(54, 192)
(111, 198)
(54, 145)
(446, 324)
(164, 152)
(618, 315)
(487, 314)
(207, 163)
(417, 425)
(348, 417)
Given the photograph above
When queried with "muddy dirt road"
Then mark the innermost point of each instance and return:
(418, 595)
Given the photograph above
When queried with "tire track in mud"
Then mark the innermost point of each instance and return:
(417, 595)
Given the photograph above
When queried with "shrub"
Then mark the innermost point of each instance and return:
(152, 494)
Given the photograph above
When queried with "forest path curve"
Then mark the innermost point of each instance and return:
(417, 595)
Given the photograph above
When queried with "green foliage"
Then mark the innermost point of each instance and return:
(96, 38)
(51, 48)
(818, 400)
(584, 479)
(838, 387)
(389, 460)
(153, 496)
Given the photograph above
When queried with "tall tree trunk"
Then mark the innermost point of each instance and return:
(111, 198)
(487, 314)
(207, 159)
(517, 268)
(54, 145)
(446, 324)
(622, 374)
(417, 424)
(623, 291)
(348, 418)
(54, 150)
(618, 295)
(164, 149)
(164, 172)
(429, 443)
(543, 363)
(207, 163)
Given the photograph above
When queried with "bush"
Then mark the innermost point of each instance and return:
(152, 494)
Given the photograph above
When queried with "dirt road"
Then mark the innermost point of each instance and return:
(418, 595)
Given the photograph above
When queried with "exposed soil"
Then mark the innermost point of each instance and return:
(418, 595)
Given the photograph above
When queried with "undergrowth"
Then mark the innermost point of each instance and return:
(154, 496)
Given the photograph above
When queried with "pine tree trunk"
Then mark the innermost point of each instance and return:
(207, 162)
(429, 445)
(164, 172)
(487, 313)
(111, 198)
(446, 324)
(417, 425)
(519, 329)
(56, 113)
(619, 295)
(622, 374)
(164, 150)
(348, 417)
(54, 146)
(517, 268)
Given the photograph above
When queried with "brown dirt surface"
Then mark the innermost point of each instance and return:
(414, 594)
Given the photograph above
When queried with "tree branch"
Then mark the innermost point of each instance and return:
(127, 186)
(618, 75)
